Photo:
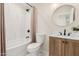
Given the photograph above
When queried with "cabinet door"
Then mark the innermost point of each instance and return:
(68, 51)
(75, 47)
(51, 46)
(71, 47)
(55, 46)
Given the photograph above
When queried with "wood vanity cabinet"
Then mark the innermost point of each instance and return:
(63, 47)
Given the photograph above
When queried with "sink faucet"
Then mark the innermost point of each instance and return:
(64, 31)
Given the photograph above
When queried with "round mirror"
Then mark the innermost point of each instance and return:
(64, 15)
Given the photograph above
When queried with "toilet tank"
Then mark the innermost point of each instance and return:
(40, 37)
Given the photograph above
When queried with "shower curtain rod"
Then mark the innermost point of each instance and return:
(29, 4)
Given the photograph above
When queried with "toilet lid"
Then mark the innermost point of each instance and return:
(33, 45)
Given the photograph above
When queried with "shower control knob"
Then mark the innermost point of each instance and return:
(28, 30)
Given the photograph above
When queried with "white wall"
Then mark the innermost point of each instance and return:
(17, 21)
(45, 21)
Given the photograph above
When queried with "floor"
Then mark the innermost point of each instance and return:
(39, 54)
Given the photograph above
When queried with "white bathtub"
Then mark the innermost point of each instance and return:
(17, 48)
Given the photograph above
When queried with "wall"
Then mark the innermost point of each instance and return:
(45, 22)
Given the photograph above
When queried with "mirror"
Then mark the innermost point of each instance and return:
(64, 15)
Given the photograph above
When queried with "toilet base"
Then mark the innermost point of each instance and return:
(34, 54)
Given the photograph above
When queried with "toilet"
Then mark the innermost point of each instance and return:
(34, 48)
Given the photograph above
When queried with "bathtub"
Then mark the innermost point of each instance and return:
(17, 48)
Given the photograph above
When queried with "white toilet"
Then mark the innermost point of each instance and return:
(34, 48)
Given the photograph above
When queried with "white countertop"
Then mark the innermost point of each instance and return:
(74, 37)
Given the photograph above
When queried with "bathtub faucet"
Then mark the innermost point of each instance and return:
(27, 37)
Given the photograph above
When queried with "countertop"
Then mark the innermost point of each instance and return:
(65, 37)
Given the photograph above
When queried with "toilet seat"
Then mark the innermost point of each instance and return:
(33, 45)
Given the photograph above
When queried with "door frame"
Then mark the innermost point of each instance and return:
(2, 32)
(33, 23)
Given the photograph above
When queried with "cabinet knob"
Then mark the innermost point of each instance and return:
(63, 41)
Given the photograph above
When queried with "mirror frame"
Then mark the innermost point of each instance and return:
(61, 7)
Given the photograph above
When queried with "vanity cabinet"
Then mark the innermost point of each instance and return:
(63, 47)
